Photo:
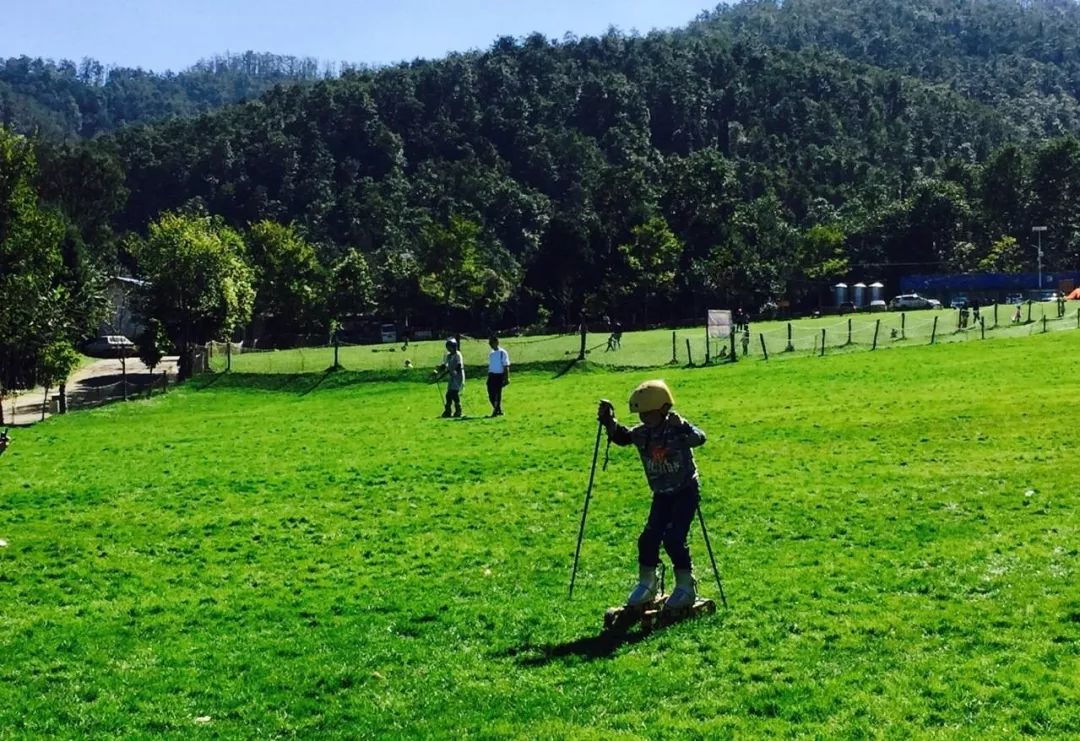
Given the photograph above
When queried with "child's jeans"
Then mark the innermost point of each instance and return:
(669, 523)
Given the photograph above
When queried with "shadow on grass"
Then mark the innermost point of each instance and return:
(567, 368)
(306, 382)
(589, 648)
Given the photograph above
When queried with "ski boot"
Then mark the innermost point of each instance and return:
(645, 596)
(683, 602)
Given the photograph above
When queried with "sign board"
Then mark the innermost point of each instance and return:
(719, 324)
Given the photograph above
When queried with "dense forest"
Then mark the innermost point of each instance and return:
(759, 154)
(68, 100)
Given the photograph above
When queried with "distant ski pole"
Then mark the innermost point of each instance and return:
(585, 509)
(708, 547)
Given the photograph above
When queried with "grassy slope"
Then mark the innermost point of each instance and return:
(343, 562)
(653, 348)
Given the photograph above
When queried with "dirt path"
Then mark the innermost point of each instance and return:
(97, 383)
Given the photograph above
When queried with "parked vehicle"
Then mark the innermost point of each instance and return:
(878, 305)
(110, 346)
(1014, 298)
(958, 302)
(1047, 295)
(388, 333)
(907, 301)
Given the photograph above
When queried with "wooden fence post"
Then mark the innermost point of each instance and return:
(689, 357)
(877, 328)
(933, 332)
(790, 347)
(673, 358)
(765, 350)
(849, 331)
(982, 326)
(903, 325)
(822, 342)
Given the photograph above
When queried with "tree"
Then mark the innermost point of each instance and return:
(290, 282)
(450, 263)
(58, 359)
(823, 258)
(352, 292)
(31, 302)
(152, 344)
(198, 285)
(1004, 257)
(650, 260)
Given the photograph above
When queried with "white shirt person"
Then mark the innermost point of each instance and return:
(498, 375)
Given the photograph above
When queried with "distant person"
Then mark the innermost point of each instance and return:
(454, 367)
(1016, 315)
(746, 341)
(615, 339)
(498, 375)
(4, 441)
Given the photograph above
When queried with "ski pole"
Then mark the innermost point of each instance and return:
(708, 546)
(585, 509)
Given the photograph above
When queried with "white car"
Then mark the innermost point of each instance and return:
(110, 346)
(913, 301)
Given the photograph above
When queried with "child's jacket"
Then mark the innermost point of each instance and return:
(666, 451)
(455, 369)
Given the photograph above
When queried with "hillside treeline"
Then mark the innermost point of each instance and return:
(761, 153)
(65, 99)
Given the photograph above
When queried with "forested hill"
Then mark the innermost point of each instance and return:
(761, 153)
(577, 162)
(64, 100)
(1021, 56)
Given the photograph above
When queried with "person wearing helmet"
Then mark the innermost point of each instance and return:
(454, 367)
(665, 442)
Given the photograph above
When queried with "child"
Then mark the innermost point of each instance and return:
(498, 375)
(664, 441)
(454, 366)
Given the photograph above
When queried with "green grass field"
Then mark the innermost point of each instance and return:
(321, 556)
(653, 348)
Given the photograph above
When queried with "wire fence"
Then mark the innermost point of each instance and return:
(32, 406)
(661, 347)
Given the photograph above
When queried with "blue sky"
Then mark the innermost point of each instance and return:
(173, 34)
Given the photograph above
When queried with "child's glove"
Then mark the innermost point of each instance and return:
(674, 419)
(605, 412)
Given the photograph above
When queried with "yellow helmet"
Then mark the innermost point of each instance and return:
(651, 396)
